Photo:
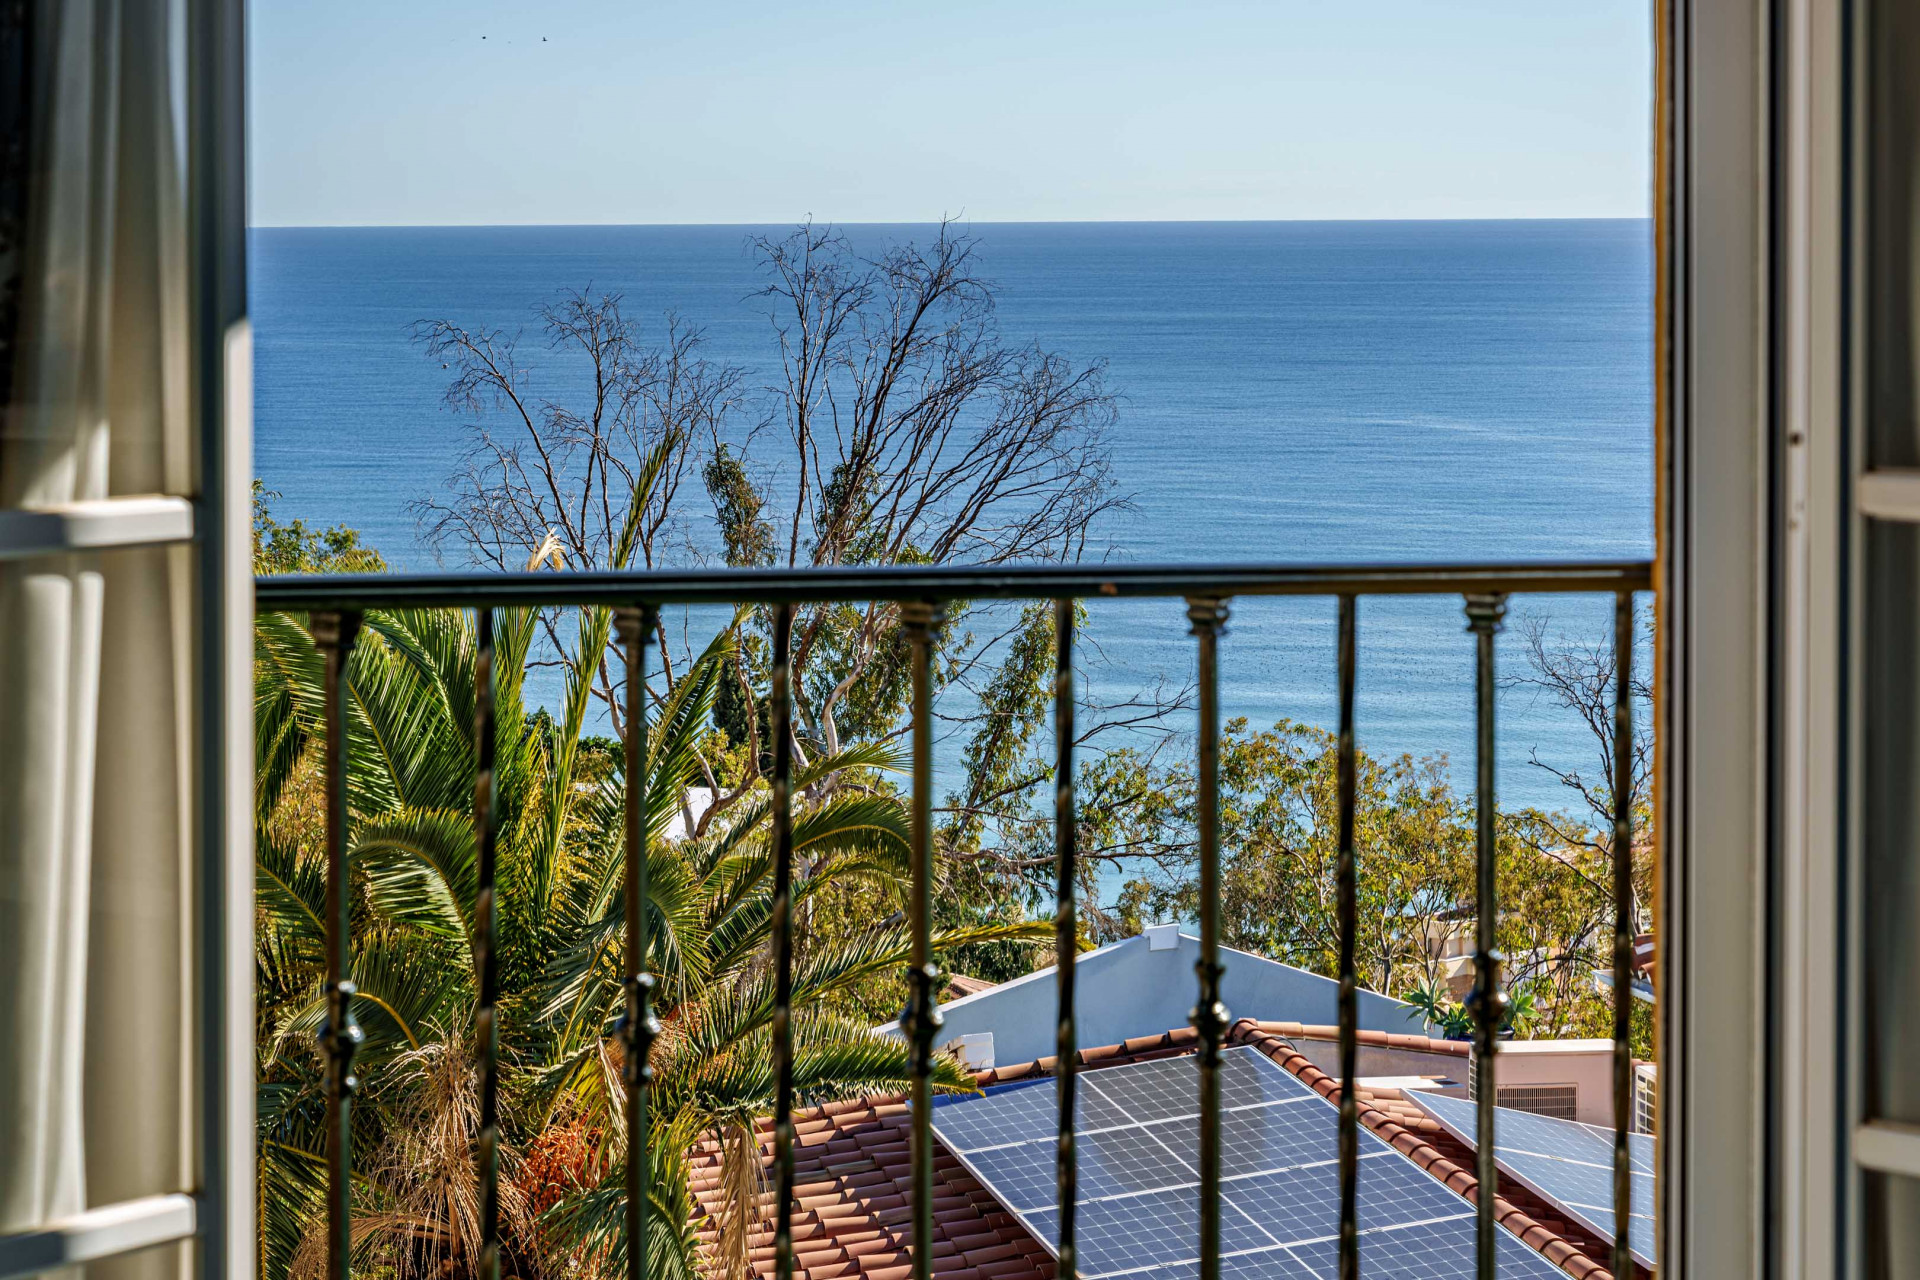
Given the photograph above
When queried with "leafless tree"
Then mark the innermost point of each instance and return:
(1579, 676)
(553, 481)
(902, 427)
(918, 435)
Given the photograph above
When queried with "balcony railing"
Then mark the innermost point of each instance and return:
(337, 603)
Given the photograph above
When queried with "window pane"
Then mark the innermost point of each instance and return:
(167, 1262)
(1892, 233)
(1893, 1227)
(1891, 702)
(95, 840)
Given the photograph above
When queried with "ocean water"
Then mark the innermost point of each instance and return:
(1291, 392)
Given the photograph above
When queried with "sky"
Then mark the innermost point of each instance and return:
(496, 112)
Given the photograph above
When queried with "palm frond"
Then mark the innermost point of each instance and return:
(582, 985)
(405, 993)
(291, 1191)
(290, 891)
(421, 868)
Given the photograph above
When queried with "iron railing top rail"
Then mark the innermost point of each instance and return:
(939, 582)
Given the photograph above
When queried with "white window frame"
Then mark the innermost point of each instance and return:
(1711, 513)
(1762, 1149)
(1805, 1073)
(218, 1213)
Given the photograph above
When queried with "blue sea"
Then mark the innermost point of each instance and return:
(1291, 392)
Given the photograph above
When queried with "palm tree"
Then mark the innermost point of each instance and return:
(409, 706)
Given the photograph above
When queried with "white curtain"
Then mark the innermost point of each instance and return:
(95, 678)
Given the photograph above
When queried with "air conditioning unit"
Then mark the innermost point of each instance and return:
(1558, 1101)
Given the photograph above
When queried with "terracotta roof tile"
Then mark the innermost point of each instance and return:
(1379, 1039)
(960, 985)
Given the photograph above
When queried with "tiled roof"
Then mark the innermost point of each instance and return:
(852, 1179)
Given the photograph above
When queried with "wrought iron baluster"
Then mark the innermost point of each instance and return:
(782, 819)
(1488, 1002)
(1066, 932)
(1348, 908)
(1623, 931)
(486, 1030)
(921, 1021)
(1210, 1018)
(333, 634)
(637, 1027)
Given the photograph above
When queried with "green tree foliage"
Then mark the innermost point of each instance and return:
(1414, 843)
(1278, 811)
(293, 547)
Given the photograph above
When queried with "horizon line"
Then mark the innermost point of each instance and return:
(1006, 222)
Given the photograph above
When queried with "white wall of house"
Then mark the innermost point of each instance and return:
(1587, 1065)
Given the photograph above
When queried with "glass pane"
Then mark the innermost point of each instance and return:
(1892, 233)
(167, 1262)
(1891, 704)
(1893, 1227)
(95, 844)
(139, 976)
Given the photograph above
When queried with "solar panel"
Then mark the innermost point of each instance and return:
(1563, 1161)
(1137, 1137)
(1426, 1251)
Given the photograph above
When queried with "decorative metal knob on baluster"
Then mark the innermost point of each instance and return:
(637, 1029)
(1487, 1002)
(339, 1038)
(921, 1020)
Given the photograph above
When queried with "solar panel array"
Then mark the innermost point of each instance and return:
(1137, 1139)
(1563, 1161)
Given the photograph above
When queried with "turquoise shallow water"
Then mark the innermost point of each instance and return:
(1352, 391)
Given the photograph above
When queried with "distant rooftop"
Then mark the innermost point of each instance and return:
(1140, 987)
